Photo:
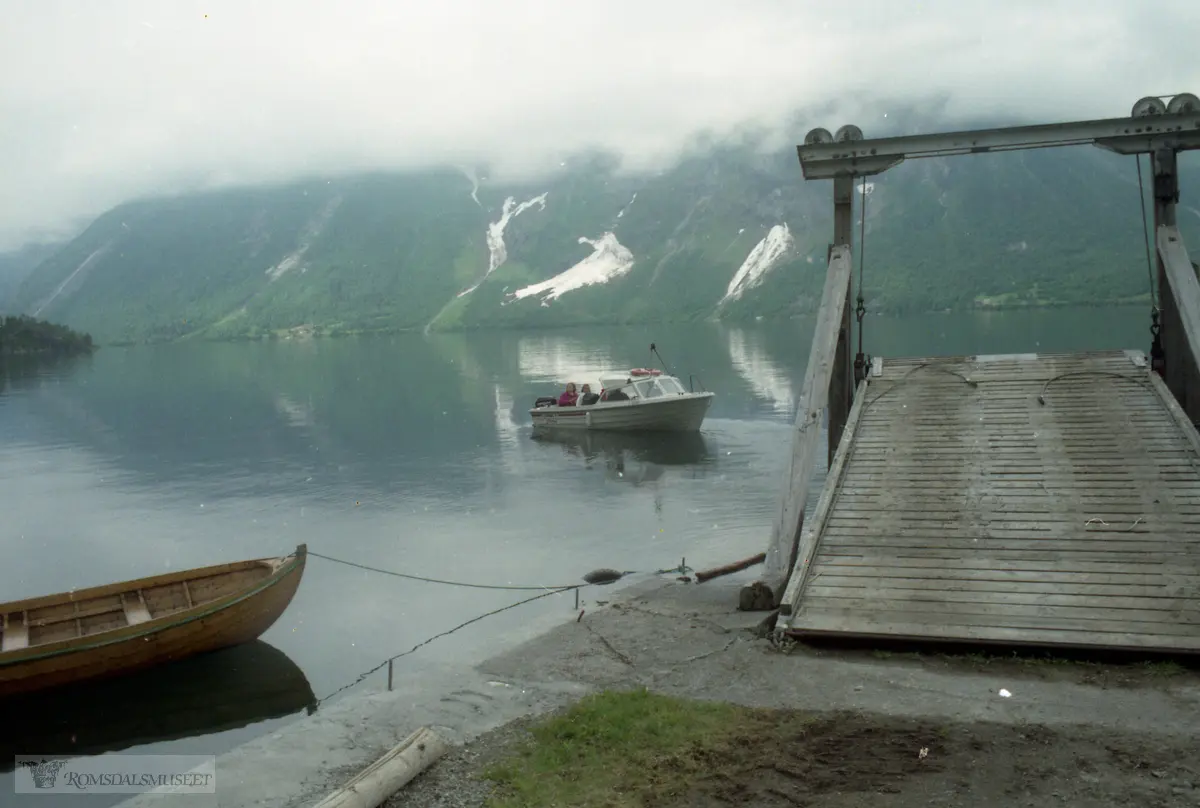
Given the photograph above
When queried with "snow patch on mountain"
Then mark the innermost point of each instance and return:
(627, 204)
(609, 259)
(316, 225)
(497, 252)
(762, 258)
(470, 174)
(88, 262)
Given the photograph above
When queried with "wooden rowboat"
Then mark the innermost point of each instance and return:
(119, 628)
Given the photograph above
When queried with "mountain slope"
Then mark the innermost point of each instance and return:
(17, 265)
(728, 232)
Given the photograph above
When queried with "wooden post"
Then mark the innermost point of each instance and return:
(841, 386)
(1183, 289)
(1181, 362)
(764, 594)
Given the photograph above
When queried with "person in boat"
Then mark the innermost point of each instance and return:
(616, 394)
(569, 396)
(586, 396)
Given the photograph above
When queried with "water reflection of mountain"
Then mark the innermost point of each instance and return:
(272, 418)
(768, 380)
(257, 419)
(210, 693)
(23, 370)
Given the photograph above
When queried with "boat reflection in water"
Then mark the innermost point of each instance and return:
(633, 457)
(213, 692)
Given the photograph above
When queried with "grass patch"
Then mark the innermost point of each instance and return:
(1165, 668)
(613, 749)
(632, 749)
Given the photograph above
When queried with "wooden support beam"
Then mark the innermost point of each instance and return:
(764, 594)
(812, 531)
(1180, 296)
(841, 383)
(1165, 193)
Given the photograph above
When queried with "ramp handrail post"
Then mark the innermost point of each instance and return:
(765, 593)
(1179, 293)
(841, 385)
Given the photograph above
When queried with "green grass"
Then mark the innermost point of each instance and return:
(614, 749)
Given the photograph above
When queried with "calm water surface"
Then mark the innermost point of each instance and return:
(410, 453)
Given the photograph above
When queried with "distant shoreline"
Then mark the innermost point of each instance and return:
(308, 331)
(26, 337)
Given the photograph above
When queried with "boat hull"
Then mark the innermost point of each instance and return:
(234, 619)
(682, 413)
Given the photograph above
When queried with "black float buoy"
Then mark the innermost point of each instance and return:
(603, 576)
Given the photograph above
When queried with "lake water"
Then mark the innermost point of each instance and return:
(411, 453)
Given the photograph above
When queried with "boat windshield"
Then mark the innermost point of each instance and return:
(670, 386)
(647, 389)
(653, 388)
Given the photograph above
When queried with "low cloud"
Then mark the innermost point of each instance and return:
(101, 102)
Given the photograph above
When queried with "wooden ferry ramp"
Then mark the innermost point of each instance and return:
(1049, 499)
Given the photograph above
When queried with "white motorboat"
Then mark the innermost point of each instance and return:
(641, 399)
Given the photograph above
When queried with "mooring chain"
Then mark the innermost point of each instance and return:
(600, 577)
(560, 587)
(860, 309)
(1158, 358)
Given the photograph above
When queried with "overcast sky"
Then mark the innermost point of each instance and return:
(105, 100)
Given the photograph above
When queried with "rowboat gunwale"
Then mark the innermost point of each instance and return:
(285, 567)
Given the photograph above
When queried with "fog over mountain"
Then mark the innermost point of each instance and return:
(101, 103)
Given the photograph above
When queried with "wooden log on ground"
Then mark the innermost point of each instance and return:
(390, 773)
(765, 594)
(736, 566)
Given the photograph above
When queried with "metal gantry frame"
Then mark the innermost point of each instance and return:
(822, 157)
(1155, 127)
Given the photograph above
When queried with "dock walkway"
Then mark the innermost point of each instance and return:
(1044, 499)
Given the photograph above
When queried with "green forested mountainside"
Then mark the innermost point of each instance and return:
(394, 251)
(16, 266)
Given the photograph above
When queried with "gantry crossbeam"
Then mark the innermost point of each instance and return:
(858, 158)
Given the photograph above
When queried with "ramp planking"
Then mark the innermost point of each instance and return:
(960, 508)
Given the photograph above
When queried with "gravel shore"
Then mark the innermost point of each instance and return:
(1063, 733)
(455, 780)
(996, 732)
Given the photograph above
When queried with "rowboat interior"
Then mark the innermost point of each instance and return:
(72, 616)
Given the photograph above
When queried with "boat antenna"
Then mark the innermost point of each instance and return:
(661, 361)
